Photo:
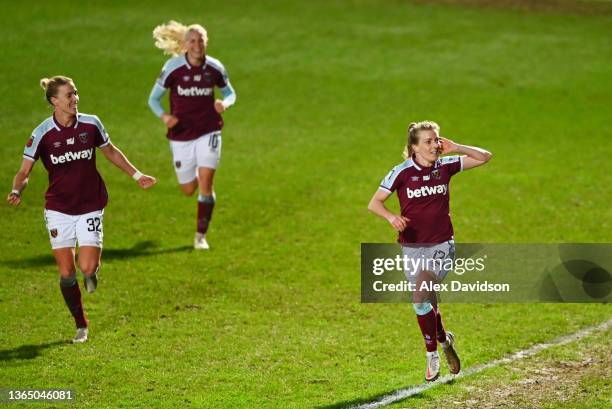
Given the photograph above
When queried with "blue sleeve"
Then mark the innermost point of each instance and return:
(388, 183)
(454, 163)
(229, 95)
(155, 99)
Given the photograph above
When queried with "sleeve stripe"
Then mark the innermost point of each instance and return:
(385, 189)
(28, 157)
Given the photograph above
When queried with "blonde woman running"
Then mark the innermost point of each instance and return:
(194, 122)
(422, 185)
(66, 144)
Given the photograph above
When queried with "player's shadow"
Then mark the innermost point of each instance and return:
(143, 249)
(28, 351)
(374, 398)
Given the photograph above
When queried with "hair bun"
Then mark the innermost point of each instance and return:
(44, 83)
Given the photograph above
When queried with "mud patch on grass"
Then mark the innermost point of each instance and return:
(543, 380)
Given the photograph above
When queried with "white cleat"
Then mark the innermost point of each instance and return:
(433, 366)
(81, 336)
(200, 242)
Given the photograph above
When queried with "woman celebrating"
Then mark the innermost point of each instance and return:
(76, 197)
(194, 123)
(424, 225)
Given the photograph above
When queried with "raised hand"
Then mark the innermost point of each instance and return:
(447, 146)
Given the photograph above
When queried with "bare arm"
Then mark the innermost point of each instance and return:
(117, 158)
(377, 206)
(20, 181)
(474, 156)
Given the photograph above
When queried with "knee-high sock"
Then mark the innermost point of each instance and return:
(206, 205)
(428, 324)
(440, 327)
(72, 296)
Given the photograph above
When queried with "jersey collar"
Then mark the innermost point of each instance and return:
(419, 167)
(59, 126)
(189, 66)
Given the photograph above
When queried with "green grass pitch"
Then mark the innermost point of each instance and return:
(270, 317)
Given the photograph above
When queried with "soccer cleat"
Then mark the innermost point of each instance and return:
(200, 242)
(433, 366)
(452, 359)
(91, 283)
(81, 336)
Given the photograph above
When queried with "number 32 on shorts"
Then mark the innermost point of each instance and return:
(93, 224)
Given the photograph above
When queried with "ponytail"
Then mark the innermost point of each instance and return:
(170, 37)
(51, 85)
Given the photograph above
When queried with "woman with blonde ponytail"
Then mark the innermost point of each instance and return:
(194, 122)
(66, 144)
(426, 234)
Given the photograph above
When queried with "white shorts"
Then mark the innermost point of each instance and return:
(204, 152)
(438, 259)
(66, 230)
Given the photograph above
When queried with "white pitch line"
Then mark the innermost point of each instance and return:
(404, 393)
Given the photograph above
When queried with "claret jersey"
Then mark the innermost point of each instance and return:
(69, 155)
(192, 96)
(424, 194)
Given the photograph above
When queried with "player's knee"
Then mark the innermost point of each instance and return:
(422, 308)
(66, 270)
(89, 268)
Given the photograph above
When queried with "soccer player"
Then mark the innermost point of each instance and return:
(66, 143)
(194, 122)
(425, 231)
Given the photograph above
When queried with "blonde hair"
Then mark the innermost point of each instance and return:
(413, 134)
(171, 37)
(51, 85)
